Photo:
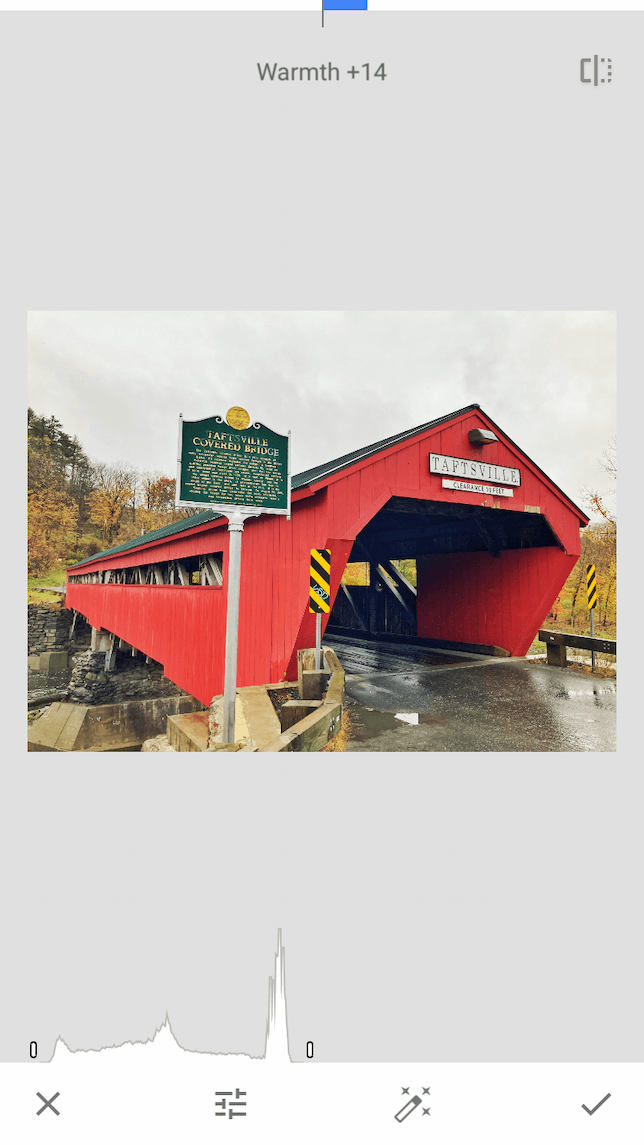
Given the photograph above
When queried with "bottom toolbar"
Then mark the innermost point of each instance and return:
(160, 1092)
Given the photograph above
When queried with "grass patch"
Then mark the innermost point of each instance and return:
(55, 577)
(601, 670)
(37, 596)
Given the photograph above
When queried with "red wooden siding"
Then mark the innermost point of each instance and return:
(181, 627)
(482, 599)
(469, 596)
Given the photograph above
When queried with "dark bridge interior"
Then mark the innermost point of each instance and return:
(406, 528)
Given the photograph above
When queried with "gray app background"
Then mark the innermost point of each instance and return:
(454, 908)
(432, 908)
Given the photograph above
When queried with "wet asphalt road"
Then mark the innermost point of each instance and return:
(455, 701)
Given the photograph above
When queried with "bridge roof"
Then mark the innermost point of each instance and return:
(156, 535)
(317, 475)
(312, 476)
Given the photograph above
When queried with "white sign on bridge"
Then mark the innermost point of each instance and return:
(471, 470)
(471, 487)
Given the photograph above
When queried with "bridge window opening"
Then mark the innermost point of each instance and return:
(203, 569)
(356, 573)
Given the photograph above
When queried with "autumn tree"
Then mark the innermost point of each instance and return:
(71, 497)
(147, 480)
(51, 516)
(82, 482)
(52, 512)
(605, 504)
(46, 434)
(599, 548)
(162, 495)
(114, 489)
(601, 502)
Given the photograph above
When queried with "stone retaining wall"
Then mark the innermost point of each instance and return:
(48, 628)
(131, 679)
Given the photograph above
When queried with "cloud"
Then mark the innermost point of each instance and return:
(337, 380)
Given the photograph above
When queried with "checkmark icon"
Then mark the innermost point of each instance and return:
(591, 1111)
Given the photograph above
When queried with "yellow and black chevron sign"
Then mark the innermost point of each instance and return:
(592, 586)
(320, 583)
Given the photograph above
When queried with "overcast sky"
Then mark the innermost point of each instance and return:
(337, 380)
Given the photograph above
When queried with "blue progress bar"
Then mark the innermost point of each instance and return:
(345, 5)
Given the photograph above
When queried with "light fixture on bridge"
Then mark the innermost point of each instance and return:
(482, 437)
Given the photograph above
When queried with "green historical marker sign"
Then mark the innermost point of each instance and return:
(226, 463)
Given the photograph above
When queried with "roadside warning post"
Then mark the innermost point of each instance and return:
(592, 604)
(319, 595)
(239, 470)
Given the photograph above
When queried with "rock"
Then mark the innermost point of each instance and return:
(159, 743)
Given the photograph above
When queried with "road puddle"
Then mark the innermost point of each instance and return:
(564, 693)
(367, 723)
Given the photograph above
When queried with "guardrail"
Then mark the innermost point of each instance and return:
(558, 642)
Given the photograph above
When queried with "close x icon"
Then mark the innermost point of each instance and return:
(49, 1104)
(596, 70)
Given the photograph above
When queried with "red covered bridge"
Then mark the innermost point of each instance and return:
(493, 537)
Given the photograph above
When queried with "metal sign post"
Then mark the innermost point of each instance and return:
(239, 470)
(592, 604)
(235, 530)
(319, 595)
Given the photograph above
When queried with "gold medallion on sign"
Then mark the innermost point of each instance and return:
(238, 418)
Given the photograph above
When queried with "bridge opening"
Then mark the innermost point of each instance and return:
(469, 543)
